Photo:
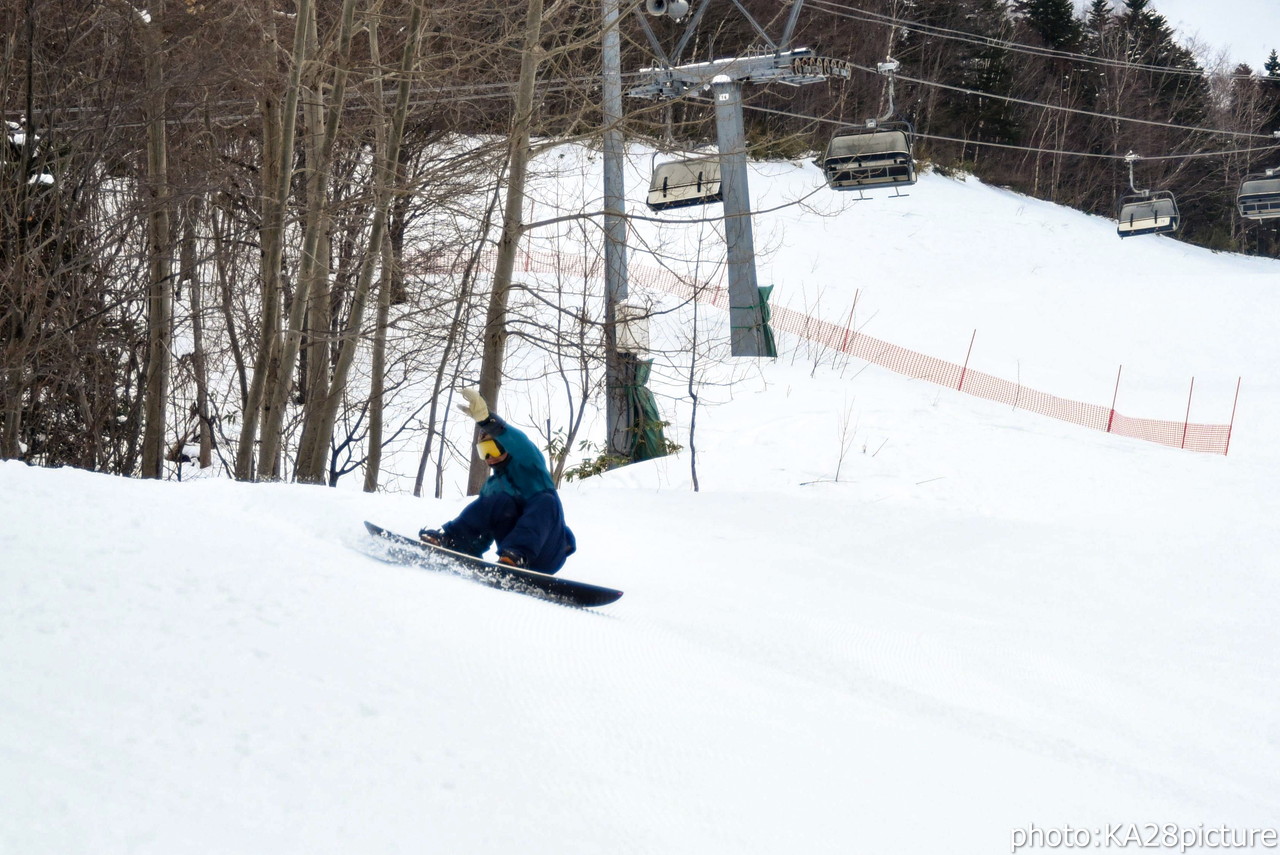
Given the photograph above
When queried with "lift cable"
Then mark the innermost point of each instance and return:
(1032, 149)
(841, 10)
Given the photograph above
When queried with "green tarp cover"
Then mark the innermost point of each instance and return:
(770, 345)
(646, 424)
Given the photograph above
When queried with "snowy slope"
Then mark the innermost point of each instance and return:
(989, 620)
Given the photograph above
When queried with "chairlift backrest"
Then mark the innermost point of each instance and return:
(868, 157)
(864, 143)
(681, 183)
(1148, 214)
(1259, 197)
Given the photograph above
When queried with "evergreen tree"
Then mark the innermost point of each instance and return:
(1099, 29)
(1099, 19)
(1272, 65)
(1054, 21)
(1183, 98)
(981, 65)
(1270, 86)
(1100, 33)
(1151, 40)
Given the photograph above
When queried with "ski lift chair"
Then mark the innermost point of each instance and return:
(1153, 213)
(877, 154)
(873, 156)
(1259, 197)
(682, 183)
(1146, 212)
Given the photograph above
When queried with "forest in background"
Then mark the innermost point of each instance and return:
(272, 235)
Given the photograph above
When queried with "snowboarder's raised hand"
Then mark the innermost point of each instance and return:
(475, 407)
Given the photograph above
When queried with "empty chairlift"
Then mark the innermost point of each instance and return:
(878, 154)
(1151, 214)
(1259, 197)
(681, 183)
(875, 156)
(1146, 212)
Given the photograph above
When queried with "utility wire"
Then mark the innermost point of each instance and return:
(1032, 149)
(1093, 113)
(841, 10)
(422, 96)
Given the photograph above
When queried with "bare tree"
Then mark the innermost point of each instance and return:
(159, 246)
(321, 134)
(495, 327)
(278, 127)
(318, 428)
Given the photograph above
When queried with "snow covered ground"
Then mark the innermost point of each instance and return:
(894, 619)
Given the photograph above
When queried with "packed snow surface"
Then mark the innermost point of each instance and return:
(894, 618)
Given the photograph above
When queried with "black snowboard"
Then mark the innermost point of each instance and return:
(398, 549)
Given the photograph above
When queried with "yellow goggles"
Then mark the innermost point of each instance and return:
(487, 448)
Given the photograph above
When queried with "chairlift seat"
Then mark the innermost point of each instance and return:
(682, 183)
(1259, 197)
(1151, 214)
(869, 157)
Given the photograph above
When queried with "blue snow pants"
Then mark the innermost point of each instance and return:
(533, 529)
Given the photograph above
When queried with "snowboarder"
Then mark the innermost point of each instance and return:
(518, 506)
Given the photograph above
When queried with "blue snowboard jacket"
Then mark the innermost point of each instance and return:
(518, 506)
(524, 473)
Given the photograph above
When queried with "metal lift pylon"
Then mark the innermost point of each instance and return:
(723, 79)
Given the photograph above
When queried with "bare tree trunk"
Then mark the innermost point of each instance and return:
(13, 382)
(317, 431)
(217, 221)
(189, 273)
(693, 396)
(269, 234)
(377, 393)
(455, 333)
(378, 367)
(159, 253)
(313, 268)
(495, 327)
(278, 128)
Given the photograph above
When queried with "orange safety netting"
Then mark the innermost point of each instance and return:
(1213, 439)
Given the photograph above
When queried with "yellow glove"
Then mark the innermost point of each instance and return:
(475, 407)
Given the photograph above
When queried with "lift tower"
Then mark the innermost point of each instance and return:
(723, 80)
